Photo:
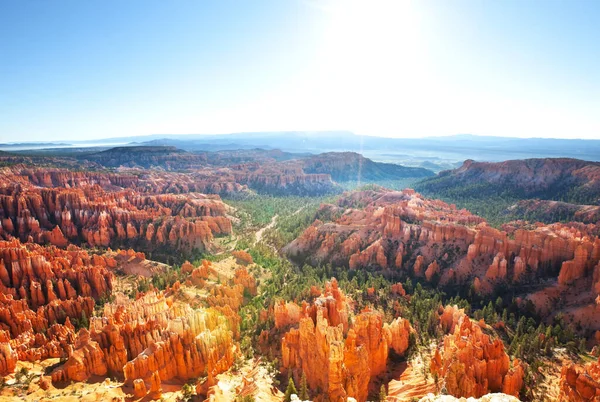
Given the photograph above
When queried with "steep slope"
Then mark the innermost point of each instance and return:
(564, 179)
(339, 354)
(553, 211)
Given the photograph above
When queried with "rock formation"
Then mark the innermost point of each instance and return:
(91, 208)
(471, 363)
(404, 231)
(43, 291)
(152, 339)
(580, 383)
(339, 358)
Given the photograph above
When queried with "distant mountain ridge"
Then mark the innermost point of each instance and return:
(145, 156)
(560, 179)
(346, 166)
(472, 146)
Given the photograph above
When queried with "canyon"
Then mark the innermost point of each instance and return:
(402, 231)
(134, 277)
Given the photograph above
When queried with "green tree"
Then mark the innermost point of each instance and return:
(187, 392)
(504, 316)
(291, 389)
(85, 322)
(382, 393)
(303, 388)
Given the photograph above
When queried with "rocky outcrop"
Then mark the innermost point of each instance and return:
(199, 345)
(153, 339)
(242, 257)
(575, 268)
(86, 359)
(288, 314)
(158, 337)
(339, 360)
(139, 388)
(380, 228)
(383, 230)
(8, 359)
(43, 291)
(399, 335)
(99, 217)
(580, 383)
(471, 363)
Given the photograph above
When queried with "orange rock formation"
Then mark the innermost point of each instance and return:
(339, 358)
(152, 339)
(93, 208)
(580, 383)
(401, 230)
(472, 363)
(42, 291)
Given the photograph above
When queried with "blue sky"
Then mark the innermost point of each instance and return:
(95, 69)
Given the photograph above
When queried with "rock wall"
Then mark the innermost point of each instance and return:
(42, 291)
(338, 356)
(62, 207)
(580, 383)
(152, 339)
(403, 231)
(472, 363)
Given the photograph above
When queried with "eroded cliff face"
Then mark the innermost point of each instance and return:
(159, 337)
(338, 354)
(580, 383)
(546, 178)
(472, 363)
(552, 211)
(42, 291)
(403, 231)
(94, 209)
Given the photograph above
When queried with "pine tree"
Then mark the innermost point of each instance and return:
(382, 393)
(291, 389)
(303, 388)
(499, 303)
(504, 316)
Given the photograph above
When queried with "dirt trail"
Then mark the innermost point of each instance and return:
(259, 233)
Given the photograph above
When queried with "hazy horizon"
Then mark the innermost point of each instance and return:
(104, 69)
(102, 140)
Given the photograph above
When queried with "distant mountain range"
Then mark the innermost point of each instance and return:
(433, 153)
(342, 166)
